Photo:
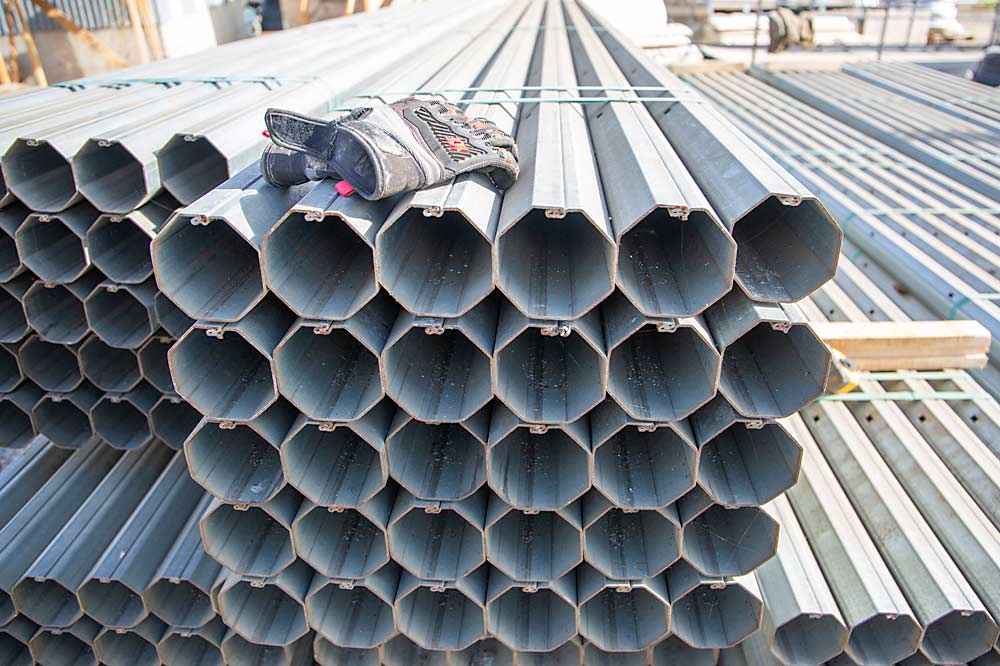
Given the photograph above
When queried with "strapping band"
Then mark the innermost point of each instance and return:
(338, 103)
(969, 298)
(80, 84)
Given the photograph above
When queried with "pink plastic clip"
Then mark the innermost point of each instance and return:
(344, 188)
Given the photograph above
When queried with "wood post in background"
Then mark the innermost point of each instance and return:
(14, 75)
(137, 30)
(152, 30)
(36, 62)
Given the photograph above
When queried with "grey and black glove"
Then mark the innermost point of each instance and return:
(381, 151)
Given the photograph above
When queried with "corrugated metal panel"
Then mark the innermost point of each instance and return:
(88, 14)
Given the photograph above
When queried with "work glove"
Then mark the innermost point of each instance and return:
(384, 150)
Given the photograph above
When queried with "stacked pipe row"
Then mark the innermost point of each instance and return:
(944, 632)
(87, 331)
(93, 170)
(933, 233)
(833, 546)
(493, 424)
(457, 413)
(962, 148)
(924, 472)
(902, 493)
(952, 94)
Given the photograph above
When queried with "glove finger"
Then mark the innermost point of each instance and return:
(503, 169)
(503, 177)
(504, 142)
(493, 134)
(300, 133)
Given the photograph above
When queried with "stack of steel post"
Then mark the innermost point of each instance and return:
(931, 232)
(93, 170)
(890, 549)
(891, 539)
(540, 422)
(955, 95)
(960, 147)
(471, 427)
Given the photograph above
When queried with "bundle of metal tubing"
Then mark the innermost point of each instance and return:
(952, 94)
(935, 235)
(890, 539)
(965, 149)
(86, 332)
(95, 169)
(456, 413)
(458, 426)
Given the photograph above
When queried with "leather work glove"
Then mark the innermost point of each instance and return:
(384, 150)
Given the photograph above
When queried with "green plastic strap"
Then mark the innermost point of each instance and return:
(473, 89)
(903, 396)
(168, 80)
(384, 96)
(891, 97)
(500, 101)
(574, 100)
(968, 298)
(862, 165)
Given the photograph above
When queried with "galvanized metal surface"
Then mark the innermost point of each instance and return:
(929, 231)
(514, 475)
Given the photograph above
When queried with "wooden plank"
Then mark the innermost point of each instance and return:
(151, 29)
(15, 66)
(137, 31)
(4, 72)
(29, 40)
(911, 345)
(709, 67)
(69, 26)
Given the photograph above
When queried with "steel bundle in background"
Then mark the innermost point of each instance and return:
(928, 230)
(927, 467)
(951, 94)
(962, 149)
(921, 465)
(605, 507)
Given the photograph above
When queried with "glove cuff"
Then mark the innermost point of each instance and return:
(281, 167)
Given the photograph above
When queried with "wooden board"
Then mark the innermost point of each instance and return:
(911, 345)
